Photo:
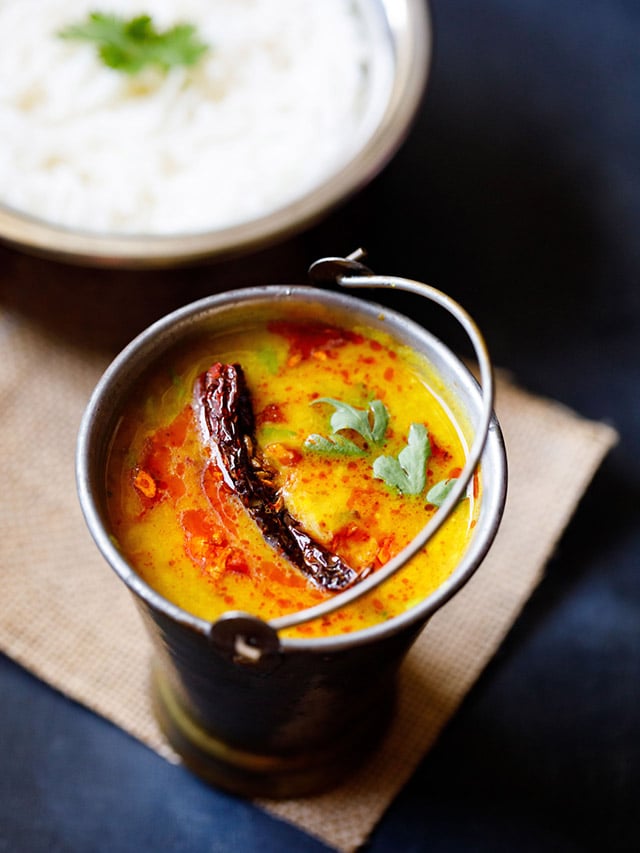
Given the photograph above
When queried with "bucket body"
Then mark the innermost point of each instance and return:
(305, 712)
(294, 724)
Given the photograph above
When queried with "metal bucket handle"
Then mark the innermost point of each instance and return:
(246, 638)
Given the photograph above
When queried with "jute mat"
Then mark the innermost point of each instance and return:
(67, 618)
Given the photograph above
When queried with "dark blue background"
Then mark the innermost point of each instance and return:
(518, 192)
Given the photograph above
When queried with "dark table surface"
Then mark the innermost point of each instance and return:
(518, 192)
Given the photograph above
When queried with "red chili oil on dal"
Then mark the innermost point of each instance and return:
(186, 532)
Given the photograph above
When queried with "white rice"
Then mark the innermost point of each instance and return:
(281, 100)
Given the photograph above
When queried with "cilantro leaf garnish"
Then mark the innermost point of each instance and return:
(407, 472)
(438, 493)
(337, 445)
(131, 45)
(371, 423)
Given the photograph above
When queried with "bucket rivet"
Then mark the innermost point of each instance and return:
(244, 639)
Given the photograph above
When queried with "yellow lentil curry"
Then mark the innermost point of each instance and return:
(328, 405)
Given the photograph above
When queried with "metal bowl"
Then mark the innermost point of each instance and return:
(407, 24)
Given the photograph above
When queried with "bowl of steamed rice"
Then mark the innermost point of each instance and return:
(166, 132)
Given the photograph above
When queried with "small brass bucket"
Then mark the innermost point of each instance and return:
(250, 711)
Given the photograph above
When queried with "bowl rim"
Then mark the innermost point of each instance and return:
(166, 332)
(409, 23)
